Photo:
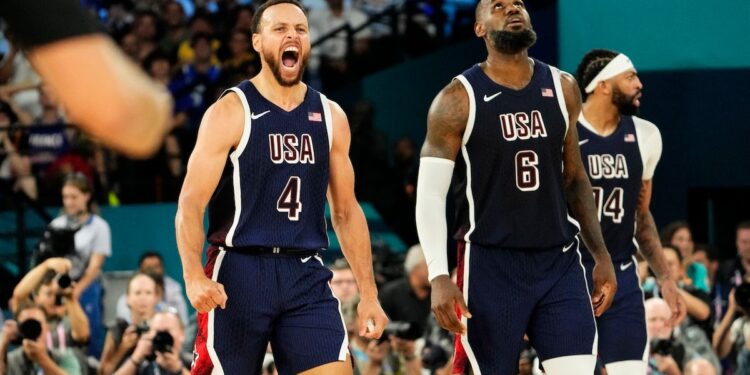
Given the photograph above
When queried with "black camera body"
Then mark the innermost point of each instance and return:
(63, 282)
(142, 328)
(163, 342)
(663, 347)
(56, 242)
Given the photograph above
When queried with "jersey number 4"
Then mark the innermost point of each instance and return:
(289, 200)
(612, 207)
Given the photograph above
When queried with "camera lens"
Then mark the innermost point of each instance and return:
(30, 329)
(163, 342)
(64, 281)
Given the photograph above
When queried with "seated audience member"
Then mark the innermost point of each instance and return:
(678, 235)
(123, 336)
(152, 263)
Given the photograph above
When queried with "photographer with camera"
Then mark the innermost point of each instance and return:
(33, 356)
(158, 350)
(665, 355)
(732, 336)
(50, 287)
(92, 244)
(123, 336)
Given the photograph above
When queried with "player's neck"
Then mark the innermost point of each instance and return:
(602, 115)
(510, 70)
(285, 97)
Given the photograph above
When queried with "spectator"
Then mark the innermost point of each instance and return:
(15, 168)
(243, 20)
(177, 31)
(343, 283)
(67, 322)
(194, 89)
(129, 45)
(678, 234)
(145, 30)
(334, 65)
(659, 327)
(699, 366)
(122, 337)
(19, 80)
(151, 356)
(152, 263)
(242, 62)
(706, 256)
(696, 300)
(93, 243)
(407, 300)
(200, 24)
(33, 356)
(46, 143)
(732, 272)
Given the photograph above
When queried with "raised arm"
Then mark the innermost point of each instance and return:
(446, 122)
(581, 202)
(220, 131)
(351, 227)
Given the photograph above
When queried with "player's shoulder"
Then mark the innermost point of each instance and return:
(645, 127)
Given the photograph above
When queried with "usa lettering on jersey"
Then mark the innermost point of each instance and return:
(291, 149)
(608, 166)
(522, 125)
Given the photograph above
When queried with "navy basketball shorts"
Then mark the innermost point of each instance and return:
(284, 300)
(622, 328)
(541, 293)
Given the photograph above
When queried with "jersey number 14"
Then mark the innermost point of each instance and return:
(289, 202)
(612, 207)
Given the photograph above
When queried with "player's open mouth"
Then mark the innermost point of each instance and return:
(290, 56)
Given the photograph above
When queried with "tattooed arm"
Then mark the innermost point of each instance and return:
(581, 202)
(446, 122)
(650, 247)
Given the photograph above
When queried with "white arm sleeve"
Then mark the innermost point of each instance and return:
(649, 143)
(433, 183)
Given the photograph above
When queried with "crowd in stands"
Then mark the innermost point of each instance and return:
(55, 318)
(198, 49)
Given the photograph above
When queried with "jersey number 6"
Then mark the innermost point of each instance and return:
(289, 200)
(527, 174)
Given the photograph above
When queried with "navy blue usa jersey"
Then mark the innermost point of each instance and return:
(508, 179)
(616, 165)
(273, 189)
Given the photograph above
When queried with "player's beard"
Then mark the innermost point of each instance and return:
(624, 103)
(274, 63)
(512, 42)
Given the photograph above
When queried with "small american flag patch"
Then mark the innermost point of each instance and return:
(314, 116)
(630, 137)
(547, 93)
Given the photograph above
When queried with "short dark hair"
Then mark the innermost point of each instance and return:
(28, 305)
(150, 254)
(743, 225)
(592, 63)
(262, 9)
(340, 264)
